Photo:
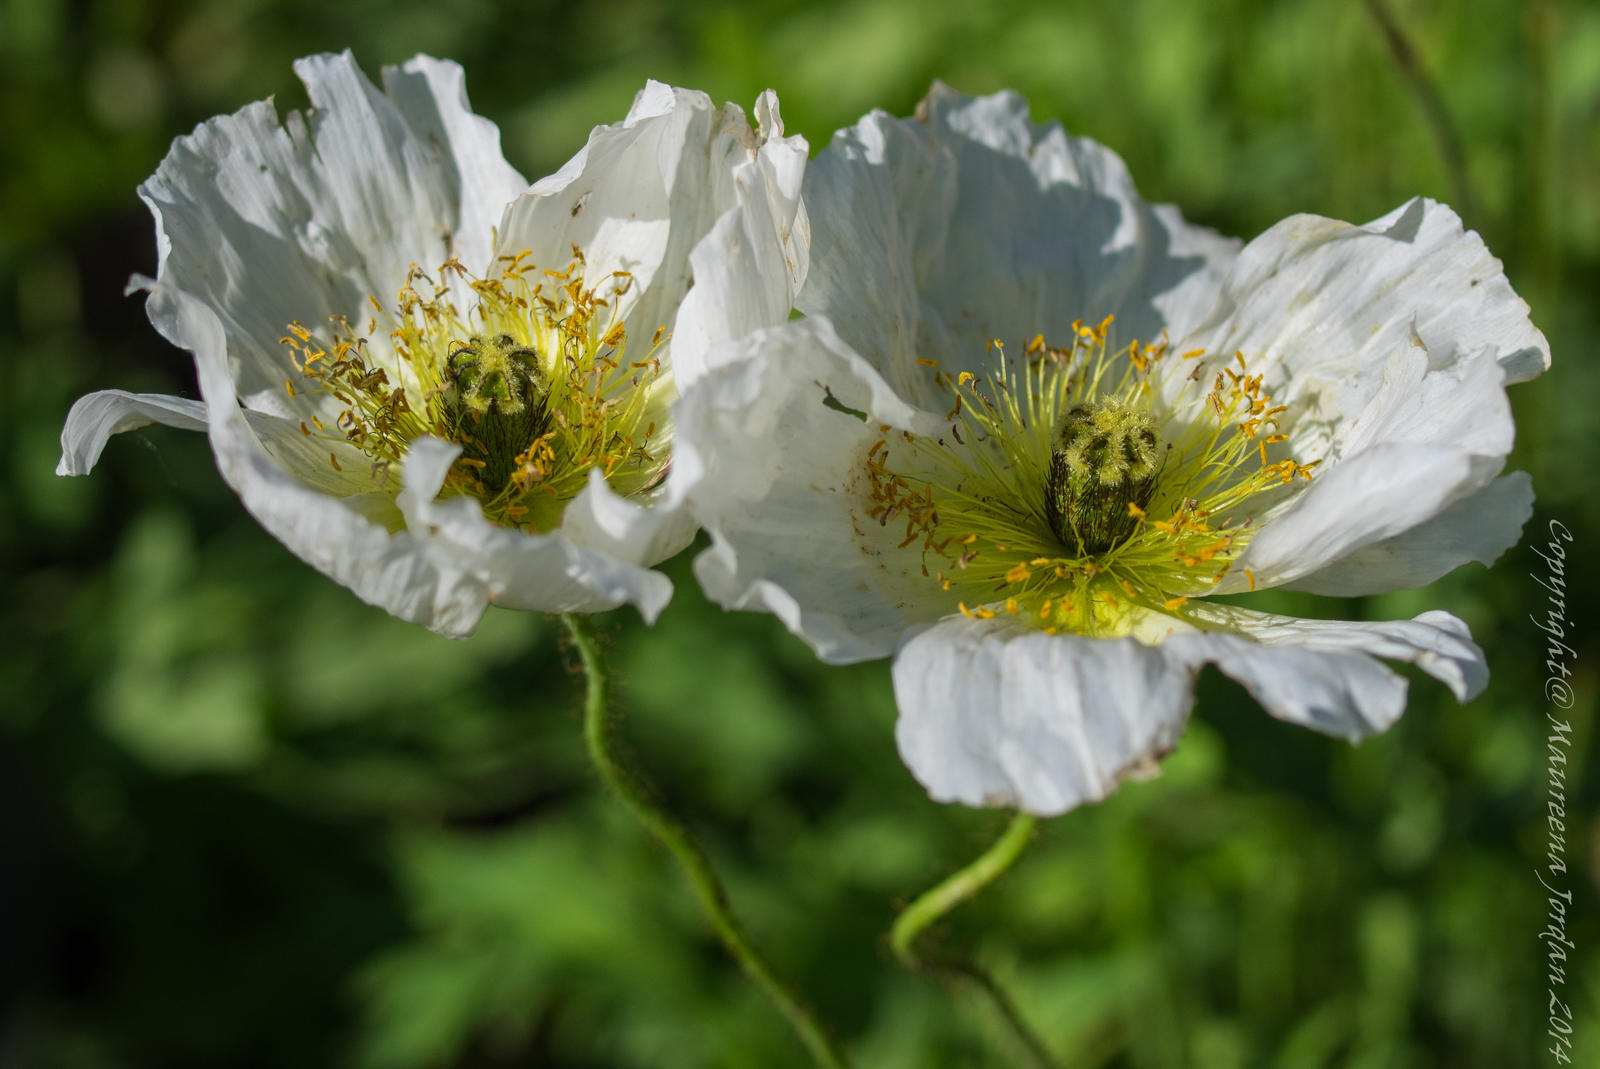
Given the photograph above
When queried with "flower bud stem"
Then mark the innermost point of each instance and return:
(636, 796)
(939, 900)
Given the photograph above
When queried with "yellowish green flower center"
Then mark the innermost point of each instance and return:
(1065, 495)
(534, 382)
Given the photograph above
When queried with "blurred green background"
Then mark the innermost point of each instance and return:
(248, 821)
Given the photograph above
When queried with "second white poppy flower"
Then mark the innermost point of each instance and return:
(1032, 425)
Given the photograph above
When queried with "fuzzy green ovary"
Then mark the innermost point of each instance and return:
(1107, 456)
(498, 400)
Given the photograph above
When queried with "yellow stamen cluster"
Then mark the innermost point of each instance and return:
(1170, 495)
(533, 381)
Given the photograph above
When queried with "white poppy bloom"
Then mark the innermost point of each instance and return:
(1031, 425)
(437, 384)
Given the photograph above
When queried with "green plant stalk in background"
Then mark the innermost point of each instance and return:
(713, 898)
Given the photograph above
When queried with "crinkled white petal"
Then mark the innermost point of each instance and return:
(743, 279)
(1389, 343)
(397, 572)
(641, 530)
(775, 475)
(678, 191)
(97, 416)
(1328, 301)
(1324, 674)
(637, 198)
(996, 714)
(270, 221)
(546, 573)
(1150, 267)
(1479, 527)
(1365, 499)
(933, 235)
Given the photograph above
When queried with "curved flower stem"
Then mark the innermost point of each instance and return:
(947, 895)
(713, 898)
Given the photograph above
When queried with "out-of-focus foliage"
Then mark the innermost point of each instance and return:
(248, 821)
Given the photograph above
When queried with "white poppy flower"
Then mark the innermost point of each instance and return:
(437, 384)
(1031, 425)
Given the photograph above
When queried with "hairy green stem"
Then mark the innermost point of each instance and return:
(939, 900)
(713, 898)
